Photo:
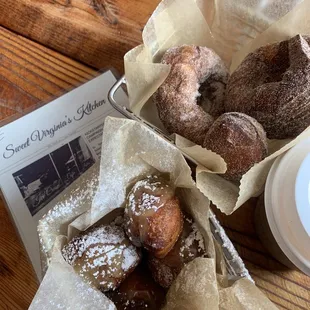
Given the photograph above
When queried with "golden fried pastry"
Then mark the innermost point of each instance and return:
(103, 256)
(153, 218)
(138, 291)
(189, 246)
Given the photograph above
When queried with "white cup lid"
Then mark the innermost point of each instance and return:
(302, 194)
(287, 202)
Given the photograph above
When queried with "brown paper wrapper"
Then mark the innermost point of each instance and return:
(233, 29)
(131, 151)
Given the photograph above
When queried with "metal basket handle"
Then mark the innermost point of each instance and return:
(129, 114)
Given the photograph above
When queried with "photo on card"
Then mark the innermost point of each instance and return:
(44, 179)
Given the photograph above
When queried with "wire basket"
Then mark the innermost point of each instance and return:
(235, 266)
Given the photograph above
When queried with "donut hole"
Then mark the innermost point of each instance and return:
(276, 62)
(211, 95)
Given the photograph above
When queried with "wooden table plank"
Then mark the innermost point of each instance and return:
(30, 75)
(35, 74)
(17, 280)
(96, 32)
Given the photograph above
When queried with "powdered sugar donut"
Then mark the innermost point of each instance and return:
(272, 84)
(189, 246)
(102, 256)
(193, 93)
(153, 218)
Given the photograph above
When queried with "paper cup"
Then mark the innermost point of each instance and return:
(287, 208)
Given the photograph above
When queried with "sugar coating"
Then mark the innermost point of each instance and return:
(153, 218)
(193, 93)
(144, 197)
(147, 201)
(146, 194)
(240, 140)
(194, 236)
(73, 203)
(272, 85)
(103, 256)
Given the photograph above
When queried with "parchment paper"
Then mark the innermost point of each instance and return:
(130, 151)
(187, 293)
(234, 23)
(226, 26)
(295, 22)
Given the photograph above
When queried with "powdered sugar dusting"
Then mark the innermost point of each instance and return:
(144, 201)
(148, 202)
(105, 235)
(151, 182)
(102, 256)
(129, 260)
(147, 195)
(194, 236)
(75, 200)
(189, 246)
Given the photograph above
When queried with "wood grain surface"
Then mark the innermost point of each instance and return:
(288, 289)
(96, 32)
(17, 280)
(31, 74)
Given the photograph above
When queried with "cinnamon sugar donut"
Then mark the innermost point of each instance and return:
(193, 93)
(272, 84)
(240, 140)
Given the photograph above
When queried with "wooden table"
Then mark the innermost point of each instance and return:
(96, 33)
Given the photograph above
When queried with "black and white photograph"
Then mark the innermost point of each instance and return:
(82, 154)
(45, 178)
(38, 183)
